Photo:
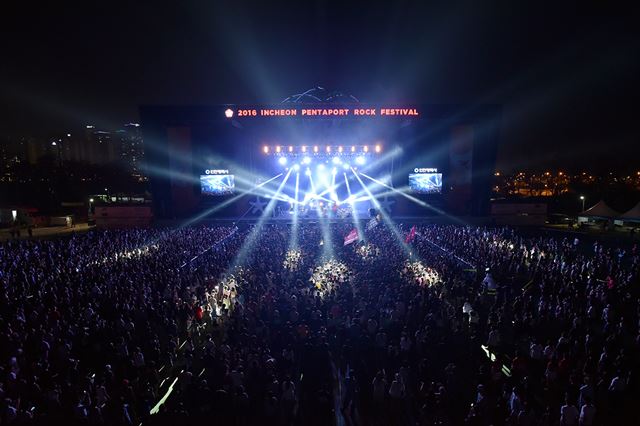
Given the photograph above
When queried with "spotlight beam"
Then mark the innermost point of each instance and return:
(327, 247)
(225, 203)
(351, 202)
(250, 240)
(407, 196)
(390, 224)
(293, 241)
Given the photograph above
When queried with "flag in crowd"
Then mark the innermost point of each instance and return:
(411, 235)
(351, 237)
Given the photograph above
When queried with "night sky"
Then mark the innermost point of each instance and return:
(566, 75)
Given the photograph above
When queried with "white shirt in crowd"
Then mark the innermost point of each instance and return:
(569, 415)
(587, 415)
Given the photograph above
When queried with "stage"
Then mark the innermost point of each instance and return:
(320, 153)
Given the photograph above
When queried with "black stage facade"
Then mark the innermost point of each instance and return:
(318, 155)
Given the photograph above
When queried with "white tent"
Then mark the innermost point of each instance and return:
(632, 215)
(600, 210)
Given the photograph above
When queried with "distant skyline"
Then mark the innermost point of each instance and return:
(566, 75)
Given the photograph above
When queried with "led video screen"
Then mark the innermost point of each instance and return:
(426, 183)
(216, 185)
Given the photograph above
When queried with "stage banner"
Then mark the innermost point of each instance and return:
(351, 237)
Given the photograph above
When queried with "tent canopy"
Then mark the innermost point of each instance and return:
(601, 209)
(633, 214)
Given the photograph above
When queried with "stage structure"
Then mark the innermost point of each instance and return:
(320, 153)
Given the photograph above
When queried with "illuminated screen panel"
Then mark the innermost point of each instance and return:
(426, 183)
(216, 185)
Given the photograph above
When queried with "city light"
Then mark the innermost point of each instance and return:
(282, 161)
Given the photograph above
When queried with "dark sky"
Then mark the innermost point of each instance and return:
(566, 75)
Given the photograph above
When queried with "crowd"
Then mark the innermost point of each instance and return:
(281, 325)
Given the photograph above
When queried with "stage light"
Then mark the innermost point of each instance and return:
(334, 171)
(345, 166)
(315, 148)
(378, 149)
(296, 167)
(282, 161)
(366, 148)
(339, 149)
(304, 149)
(307, 172)
(336, 160)
(328, 148)
(360, 160)
(278, 148)
(290, 148)
(306, 160)
(320, 166)
(353, 148)
(265, 149)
